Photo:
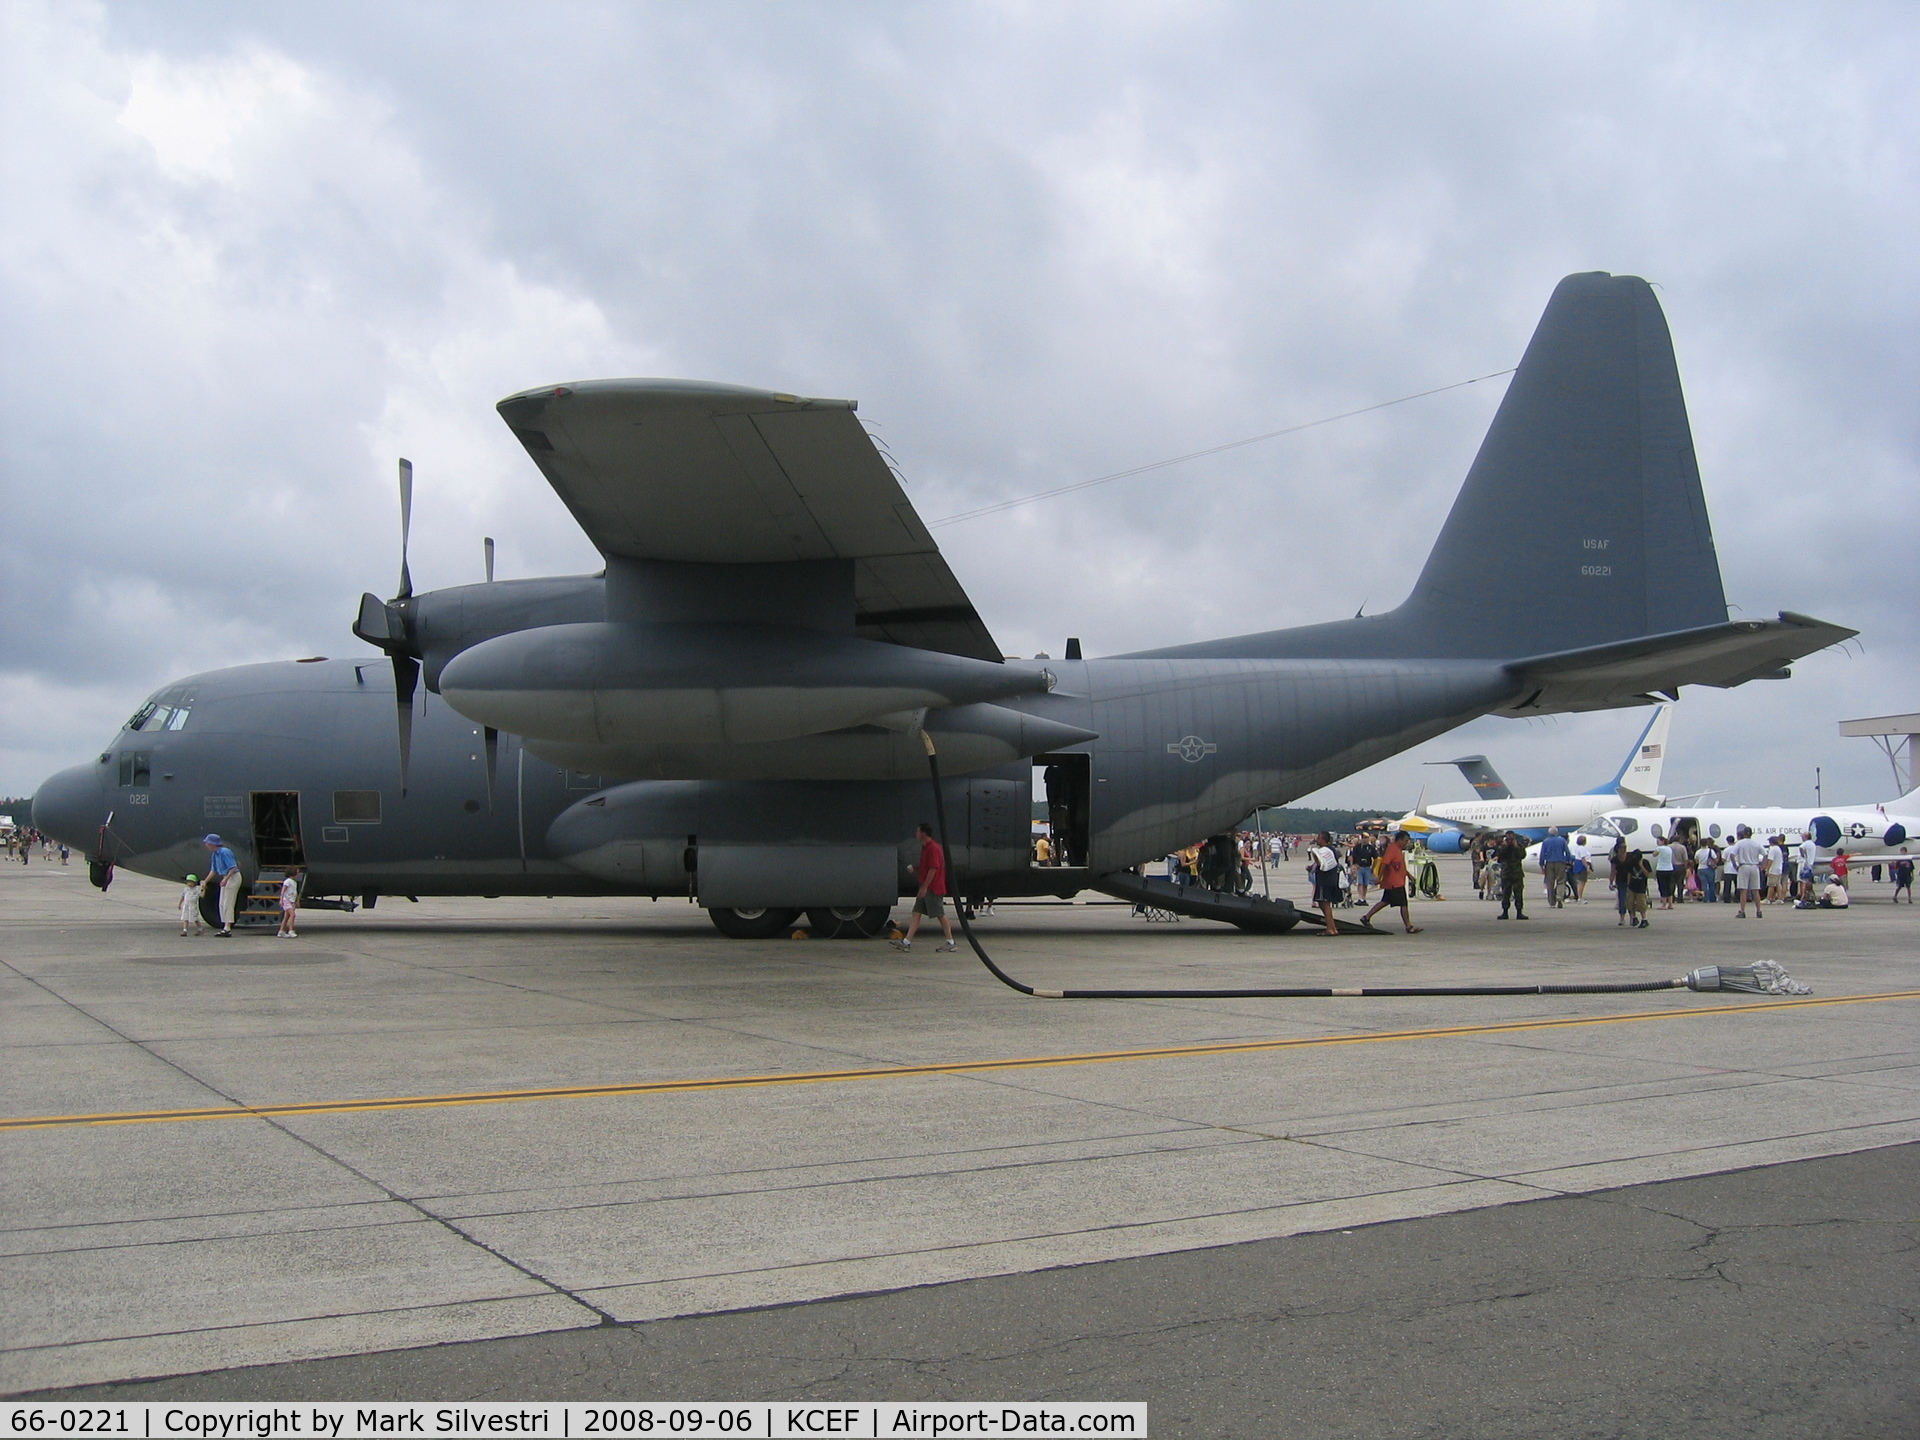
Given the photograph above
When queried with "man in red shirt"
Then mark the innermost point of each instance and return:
(1393, 882)
(930, 898)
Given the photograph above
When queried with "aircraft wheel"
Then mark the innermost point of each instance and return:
(210, 905)
(751, 924)
(849, 922)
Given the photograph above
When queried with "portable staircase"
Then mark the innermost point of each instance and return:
(261, 904)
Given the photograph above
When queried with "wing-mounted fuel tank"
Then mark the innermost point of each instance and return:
(799, 844)
(747, 701)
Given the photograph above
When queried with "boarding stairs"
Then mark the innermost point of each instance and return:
(261, 904)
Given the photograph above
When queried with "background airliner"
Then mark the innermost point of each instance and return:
(1635, 784)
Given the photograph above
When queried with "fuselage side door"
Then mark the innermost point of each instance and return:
(277, 841)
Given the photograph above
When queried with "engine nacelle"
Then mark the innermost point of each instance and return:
(706, 684)
(969, 737)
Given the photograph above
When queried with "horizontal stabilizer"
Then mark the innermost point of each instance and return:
(1628, 672)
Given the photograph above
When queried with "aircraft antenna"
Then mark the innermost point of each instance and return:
(487, 543)
(1000, 505)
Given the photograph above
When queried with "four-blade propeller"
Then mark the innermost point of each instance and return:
(391, 625)
(387, 624)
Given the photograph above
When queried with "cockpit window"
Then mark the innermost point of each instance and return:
(166, 711)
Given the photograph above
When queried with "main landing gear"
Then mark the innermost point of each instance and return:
(828, 922)
(849, 922)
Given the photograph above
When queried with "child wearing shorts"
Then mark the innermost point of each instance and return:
(1637, 866)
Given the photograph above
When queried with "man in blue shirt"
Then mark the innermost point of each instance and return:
(223, 870)
(1554, 860)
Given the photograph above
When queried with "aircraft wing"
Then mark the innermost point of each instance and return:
(1640, 671)
(681, 470)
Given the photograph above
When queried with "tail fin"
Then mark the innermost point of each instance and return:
(1485, 781)
(1582, 520)
(1639, 778)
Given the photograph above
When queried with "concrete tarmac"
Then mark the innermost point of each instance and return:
(369, 1171)
(1775, 1303)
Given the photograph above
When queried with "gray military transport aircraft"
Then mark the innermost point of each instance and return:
(732, 710)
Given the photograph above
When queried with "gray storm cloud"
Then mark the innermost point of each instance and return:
(251, 255)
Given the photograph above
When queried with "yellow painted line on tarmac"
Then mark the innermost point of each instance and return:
(895, 1072)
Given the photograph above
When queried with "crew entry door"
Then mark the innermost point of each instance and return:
(1062, 795)
(276, 829)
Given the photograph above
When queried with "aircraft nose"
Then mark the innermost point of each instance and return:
(70, 806)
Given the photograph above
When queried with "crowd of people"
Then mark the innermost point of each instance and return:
(1745, 871)
(22, 839)
(1343, 872)
(1229, 862)
(1336, 876)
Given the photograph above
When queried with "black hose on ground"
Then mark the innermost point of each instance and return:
(1762, 978)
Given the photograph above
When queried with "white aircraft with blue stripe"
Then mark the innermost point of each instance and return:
(1871, 831)
(1636, 785)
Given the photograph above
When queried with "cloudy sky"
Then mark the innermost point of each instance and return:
(249, 253)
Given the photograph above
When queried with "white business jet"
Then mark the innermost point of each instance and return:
(1870, 831)
(1635, 784)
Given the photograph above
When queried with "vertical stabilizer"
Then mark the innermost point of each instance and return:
(1638, 782)
(1582, 520)
(1486, 782)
